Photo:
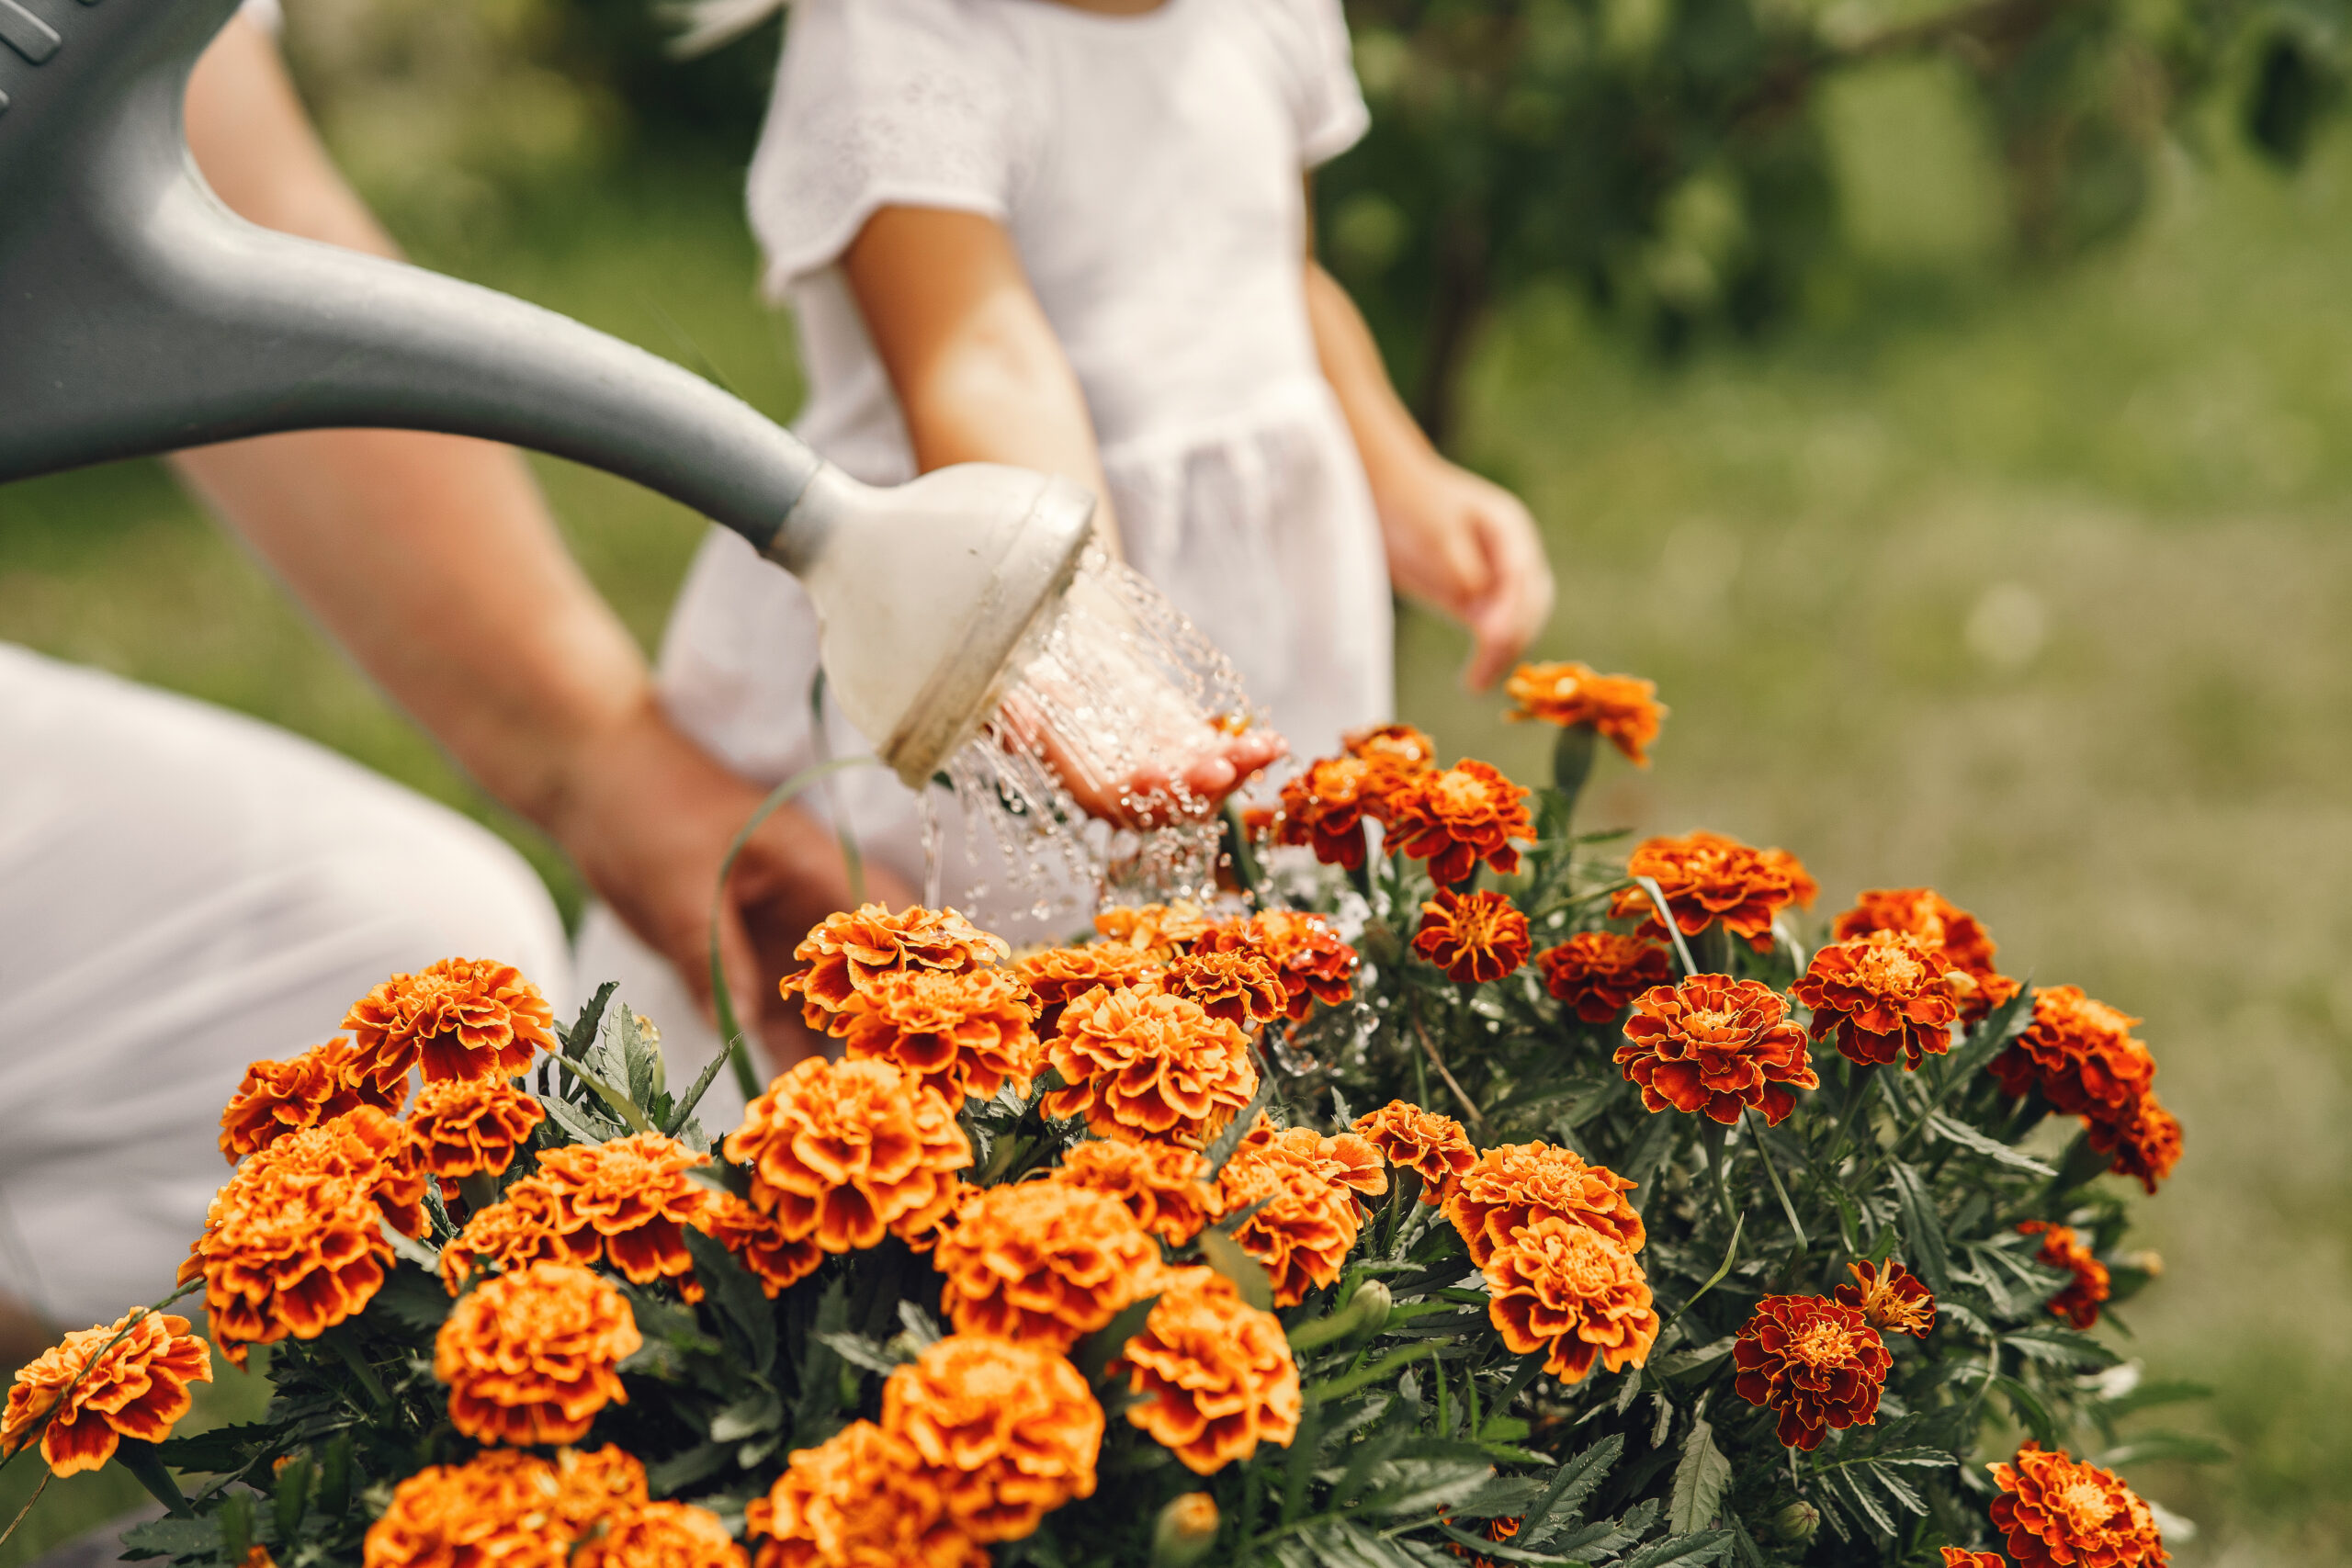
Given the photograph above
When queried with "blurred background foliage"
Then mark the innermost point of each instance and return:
(1953, 419)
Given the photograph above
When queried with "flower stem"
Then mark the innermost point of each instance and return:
(1469, 1107)
(1755, 1132)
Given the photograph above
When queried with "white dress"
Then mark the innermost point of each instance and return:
(1150, 172)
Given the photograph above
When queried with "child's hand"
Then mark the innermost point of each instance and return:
(1468, 547)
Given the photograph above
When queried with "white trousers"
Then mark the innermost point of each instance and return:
(184, 891)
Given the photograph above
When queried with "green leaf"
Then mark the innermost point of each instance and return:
(860, 1351)
(1223, 1254)
(703, 1080)
(582, 1032)
(2144, 1447)
(2148, 1396)
(224, 1450)
(1100, 1349)
(1500, 1551)
(1699, 1481)
(1681, 1551)
(412, 1298)
(2030, 1412)
(2061, 1346)
(1685, 1360)
(681, 1471)
(757, 1411)
(746, 1320)
(922, 1328)
(585, 1125)
(173, 1537)
(1921, 1229)
(1574, 1481)
(1996, 1029)
(1968, 1137)
(1432, 1483)
(1859, 1497)
(1213, 1161)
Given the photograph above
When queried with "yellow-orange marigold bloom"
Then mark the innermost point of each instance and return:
(776, 1260)
(1324, 807)
(1453, 818)
(2059, 1512)
(862, 1499)
(1215, 1373)
(1961, 1557)
(1923, 913)
(2062, 1248)
(2081, 1054)
(660, 1535)
(1596, 974)
(499, 1509)
(1398, 745)
(1059, 976)
(1812, 1361)
(529, 1356)
(850, 949)
(1474, 938)
(965, 1033)
(1237, 984)
(462, 1017)
(592, 1485)
(1310, 1216)
(1714, 1045)
(1144, 1065)
(2144, 1140)
(1889, 1298)
(524, 1226)
(101, 1386)
(467, 1126)
(1884, 996)
(1011, 1430)
(1434, 1147)
(1708, 877)
(634, 1195)
(1517, 1184)
(1573, 1293)
(279, 1097)
(1163, 931)
(1623, 709)
(1042, 1263)
(846, 1151)
(1314, 963)
(1159, 1183)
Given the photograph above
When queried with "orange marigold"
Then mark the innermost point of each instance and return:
(1057, 977)
(1310, 1216)
(1042, 1263)
(1011, 1430)
(1398, 745)
(1324, 807)
(529, 1356)
(850, 949)
(1163, 931)
(527, 1226)
(1890, 1299)
(591, 1484)
(2081, 1054)
(462, 1017)
(1517, 1184)
(1598, 973)
(1144, 1065)
(1708, 877)
(1474, 938)
(1215, 1374)
(1961, 1557)
(776, 1260)
(848, 1150)
(1923, 913)
(465, 1126)
(279, 1097)
(1159, 1183)
(1573, 1293)
(1623, 709)
(2063, 1249)
(1314, 963)
(634, 1194)
(1884, 996)
(1237, 985)
(499, 1509)
(1434, 1148)
(660, 1535)
(862, 1499)
(101, 1386)
(2145, 1141)
(2059, 1512)
(965, 1033)
(1714, 1045)
(1813, 1361)
(1453, 818)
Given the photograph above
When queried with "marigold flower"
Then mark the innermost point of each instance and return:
(966, 1034)
(1574, 1293)
(1215, 1373)
(462, 1017)
(527, 1226)
(1598, 973)
(1314, 963)
(2059, 1512)
(1623, 709)
(1057, 977)
(1348, 1159)
(529, 1356)
(1890, 1299)
(1517, 1184)
(499, 1509)
(1814, 1363)
(1237, 985)
(1324, 807)
(1144, 1065)
(1399, 745)
(850, 949)
(1163, 931)
(1474, 938)
(1434, 1147)
(660, 1535)
(1453, 818)
(469, 1126)
(848, 1150)
(1884, 996)
(635, 1194)
(591, 1484)
(279, 1097)
(776, 1260)
(1938, 924)
(1708, 877)
(2081, 1054)
(1961, 1557)
(1159, 1183)
(1011, 1430)
(2145, 1140)
(1714, 1045)
(1497, 1532)
(128, 1378)
(1042, 1263)
(1310, 1216)
(862, 1499)
(2063, 1249)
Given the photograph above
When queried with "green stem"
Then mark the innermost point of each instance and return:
(351, 1358)
(1756, 1131)
(1711, 1133)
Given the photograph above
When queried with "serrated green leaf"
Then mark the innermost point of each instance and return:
(1681, 1551)
(1968, 1138)
(1860, 1497)
(412, 1298)
(582, 1032)
(746, 1320)
(1685, 1360)
(685, 1108)
(1996, 1030)
(1921, 1229)
(2061, 1346)
(674, 1474)
(1699, 1481)
(173, 1537)
(1212, 1160)
(757, 1411)
(860, 1351)
(1575, 1480)
(1501, 1551)
(585, 1126)
(1225, 1254)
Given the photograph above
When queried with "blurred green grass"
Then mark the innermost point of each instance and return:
(2030, 588)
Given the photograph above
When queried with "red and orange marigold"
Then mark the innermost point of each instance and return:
(848, 1151)
(635, 1196)
(470, 1126)
(1923, 913)
(1011, 1430)
(1453, 818)
(1890, 1299)
(1215, 1374)
(2059, 1512)
(1573, 1293)
(2062, 1248)
(1307, 1185)
(848, 951)
(1596, 974)
(1314, 963)
(965, 1033)
(660, 1535)
(1163, 931)
(1708, 877)
(2145, 1141)
(1884, 996)
(1434, 1147)
(530, 1357)
(1517, 1184)
(1057, 977)
(499, 1509)
(1961, 1557)
(462, 1017)
(1237, 984)
(1399, 746)
(279, 1097)
(776, 1260)
(129, 1379)
(1622, 709)
(863, 1498)
(1159, 1183)
(1474, 937)
(1042, 1263)
(1147, 1065)
(1814, 1362)
(1715, 1044)
(524, 1226)
(1325, 808)
(591, 1484)
(2081, 1054)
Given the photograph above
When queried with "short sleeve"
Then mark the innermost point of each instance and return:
(1326, 102)
(881, 103)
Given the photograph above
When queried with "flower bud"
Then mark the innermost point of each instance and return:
(1796, 1523)
(1185, 1531)
(1364, 1315)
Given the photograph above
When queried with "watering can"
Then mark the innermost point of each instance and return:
(138, 315)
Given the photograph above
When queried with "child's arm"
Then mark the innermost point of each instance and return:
(1455, 540)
